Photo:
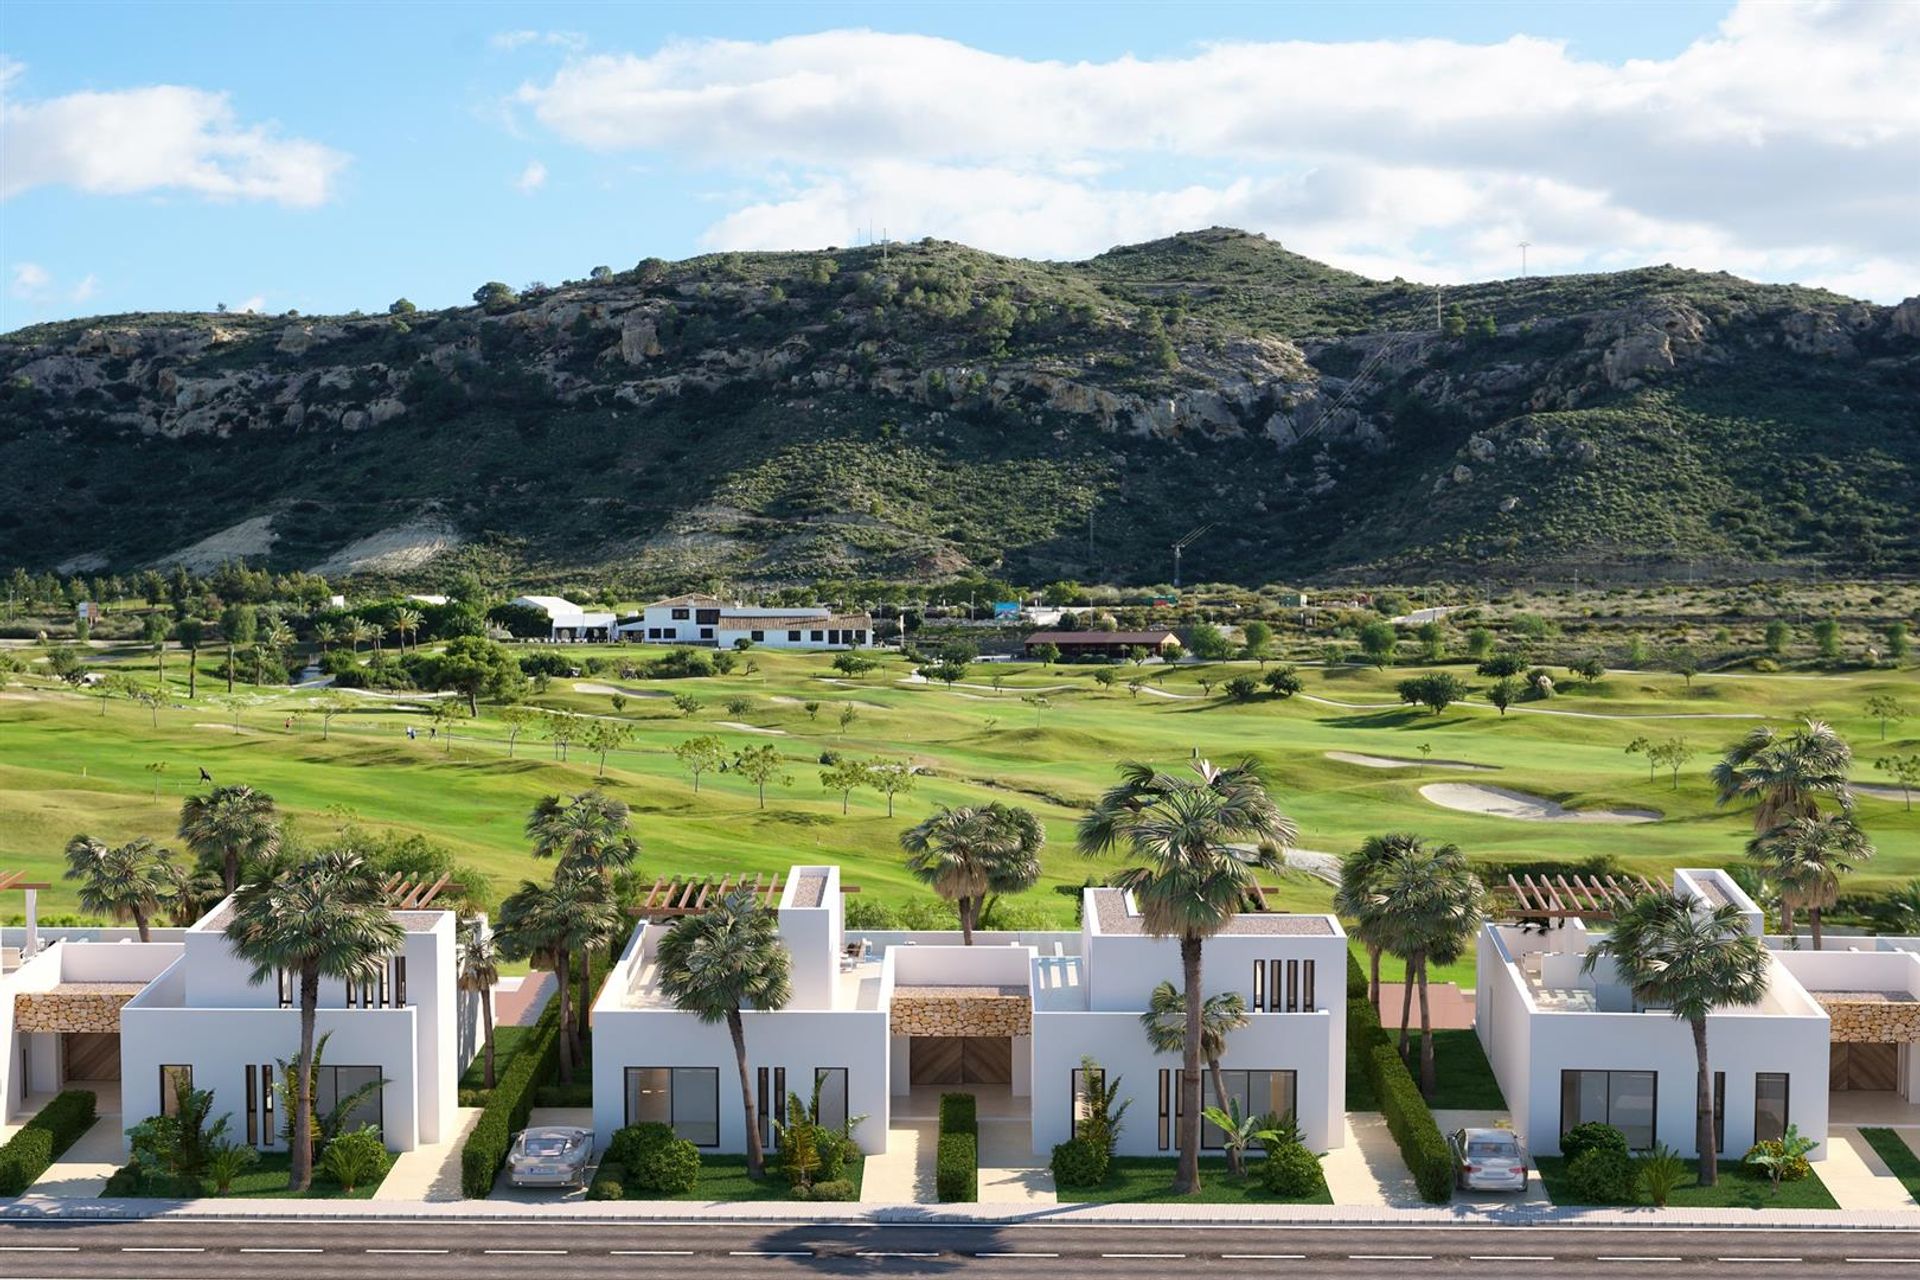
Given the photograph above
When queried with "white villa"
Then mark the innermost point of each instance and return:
(887, 1020)
(708, 620)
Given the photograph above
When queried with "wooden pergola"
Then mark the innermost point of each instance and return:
(673, 896)
(31, 888)
(1560, 896)
(403, 894)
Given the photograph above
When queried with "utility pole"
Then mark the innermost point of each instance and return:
(1524, 246)
(1192, 537)
(1438, 292)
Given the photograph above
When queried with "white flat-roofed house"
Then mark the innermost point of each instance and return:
(569, 621)
(685, 619)
(1569, 1046)
(885, 1021)
(797, 629)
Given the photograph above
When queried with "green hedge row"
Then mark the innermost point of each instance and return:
(956, 1160)
(537, 1063)
(1356, 978)
(41, 1140)
(1409, 1120)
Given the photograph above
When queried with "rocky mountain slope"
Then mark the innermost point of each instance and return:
(925, 409)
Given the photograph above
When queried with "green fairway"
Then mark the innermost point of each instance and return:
(67, 767)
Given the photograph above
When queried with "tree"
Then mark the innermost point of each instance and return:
(844, 776)
(1283, 682)
(1690, 961)
(1671, 755)
(890, 778)
(1428, 903)
(1906, 773)
(1256, 642)
(1590, 669)
(560, 728)
(65, 664)
(517, 720)
(479, 973)
(1355, 896)
(494, 295)
(239, 623)
(1433, 640)
(1377, 641)
(475, 665)
(1643, 746)
(760, 765)
(946, 672)
(685, 703)
(1192, 872)
(1685, 663)
(602, 736)
(321, 919)
(1165, 1021)
(1807, 856)
(550, 923)
(1778, 636)
(1898, 644)
(1884, 707)
(126, 882)
(327, 708)
(715, 964)
(1435, 692)
(1826, 638)
(230, 828)
(154, 632)
(447, 713)
(697, 755)
(963, 854)
(1046, 654)
(848, 714)
(854, 665)
(406, 623)
(1785, 773)
(1105, 677)
(1501, 693)
(1241, 688)
(1479, 644)
(401, 307)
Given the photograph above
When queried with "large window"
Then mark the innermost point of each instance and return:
(335, 1085)
(1624, 1099)
(1283, 986)
(830, 1083)
(1769, 1106)
(770, 1102)
(1254, 1093)
(687, 1098)
(1719, 1111)
(174, 1082)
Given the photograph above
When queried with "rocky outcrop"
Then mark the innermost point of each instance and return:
(1646, 340)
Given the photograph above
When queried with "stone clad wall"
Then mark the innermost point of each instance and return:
(1872, 1022)
(961, 1015)
(96, 1011)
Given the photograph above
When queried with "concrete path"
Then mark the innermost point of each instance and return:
(84, 1168)
(1448, 1007)
(1857, 1176)
(904, 1173)
(430, 1172)
(1010, 1172)
(519, 1005)
(1368, 1170)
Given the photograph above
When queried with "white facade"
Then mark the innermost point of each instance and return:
(568, 620)
(709, 620)
(1550, 1031)
(856, 996)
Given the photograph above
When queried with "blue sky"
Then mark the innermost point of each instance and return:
(329, 157)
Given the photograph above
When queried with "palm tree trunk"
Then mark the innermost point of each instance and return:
(486, 1021)
(140, 923)
(300, 1149)
(230, 868)
(965, 905)
(586, 997)
(1813, 918)
(1186, 1180)
(566, 1021)
(756, 1158)
(1427, 1081)
(193, 672)
(229, 666)
(1406, 1007)
(1703, 1109)
(1373, 974)
(1786, 915)
(1236, 1159)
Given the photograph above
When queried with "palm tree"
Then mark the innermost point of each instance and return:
(277, 640)
(1354, 896)
(548, 923)
(719, 962)
(125, 881)
(966, 853)
(479, 973)
(359, 632)
(1678, 956)
(1806, 857)
(326, 635)
(1194, 871)
(1426, 904)
(588, 832)
(324, 918)
(190, 631)
(1785, 773)
(406, 622)
(229, 827)
(1166, 1024)
(191, 891)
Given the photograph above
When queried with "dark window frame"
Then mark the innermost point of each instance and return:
(680, 615)
(1077, 1083)
(626, 1099)
(1653, 1139)
(1786, 1102)
(171, 1075)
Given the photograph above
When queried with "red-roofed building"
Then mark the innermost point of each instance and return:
(1108, 644)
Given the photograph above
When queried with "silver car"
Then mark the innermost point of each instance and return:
(550, 1156)
(1488, 1160)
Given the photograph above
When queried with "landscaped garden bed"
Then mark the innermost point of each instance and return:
(1740, 1187)
(1149, 1180)
(266, 1179)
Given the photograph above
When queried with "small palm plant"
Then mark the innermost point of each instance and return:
(356, 1158)
(1237, 1133)
(1661, 1173)
(227, 1161)
(1782, 1156)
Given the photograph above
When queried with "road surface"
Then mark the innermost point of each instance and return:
(419, 1250)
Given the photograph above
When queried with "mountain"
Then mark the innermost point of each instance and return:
(917, 411)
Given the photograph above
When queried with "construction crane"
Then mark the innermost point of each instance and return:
(1191, 538)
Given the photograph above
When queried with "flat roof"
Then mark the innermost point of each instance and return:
(1115, 919)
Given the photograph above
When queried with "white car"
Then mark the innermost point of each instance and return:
(1488, 1160)
(550, 1156)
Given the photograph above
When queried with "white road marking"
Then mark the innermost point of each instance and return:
(1264, 1257)
(1509, 1257)
(405, 1251)
(1389, 1257)
(272, 1250)
(1633, 1257)
(651, 1253)
(1016, 1255)
(1756, 1259)
(160, 1248)
(39, 1248)
(876, 1253)
(543, 1253)
(1168, 1256)
(769, 1253)
(1909, 1261)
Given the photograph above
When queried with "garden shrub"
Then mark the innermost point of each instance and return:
(1794, 1170)
(1660, 1173)
(356, 1159)
(654, 1160)
(40, 1141)
(124, 1181)
(1602, 1175)
(956, 1161)
(836, 1189)
(605, 1188)
(1583, 1138)
(1079, 1163)
(1292, 1171)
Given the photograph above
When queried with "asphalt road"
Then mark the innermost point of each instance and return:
(724, 1251)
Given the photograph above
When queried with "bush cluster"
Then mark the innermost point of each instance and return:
(536, 1063)
(1796, 1168)
(840, 1189)
(57, 1126)
(956, 1162)
(1079, 1162)
(652, 1160)
(1292, 1171)
(1593, 1135)
(1412, 1125)
(1602, 1175)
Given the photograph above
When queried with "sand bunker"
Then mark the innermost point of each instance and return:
(611, 689)
(1500, 802)
(1395, 762)
(1880, 791)
(749, 728)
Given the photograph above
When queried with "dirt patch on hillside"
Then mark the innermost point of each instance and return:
(394, 550)
(249, 540)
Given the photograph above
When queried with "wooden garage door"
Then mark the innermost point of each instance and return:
(961, 1060)
(92, 1055)
(1858, 1067)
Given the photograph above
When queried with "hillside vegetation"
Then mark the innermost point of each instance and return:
(920, 411)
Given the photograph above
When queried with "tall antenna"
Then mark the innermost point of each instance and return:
(1439, 292)
(1524, 246)
(1192, 537)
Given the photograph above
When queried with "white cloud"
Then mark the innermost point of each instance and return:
(1787, 143)
(84, 291)
(157, 138)
(30, 280)
(508, 41)
(531, 178)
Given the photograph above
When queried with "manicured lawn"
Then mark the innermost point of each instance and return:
(1149, 1180)
(1740, 1187)
(506, 1043)
(724, 1177)
(265, 1180)
(1901, 1162)
(1463, 1079)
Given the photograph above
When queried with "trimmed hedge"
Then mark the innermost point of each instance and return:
(1356, 978)
(956, 1160)
(40, 1142)
(536, 1063)
(1409, 1120)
